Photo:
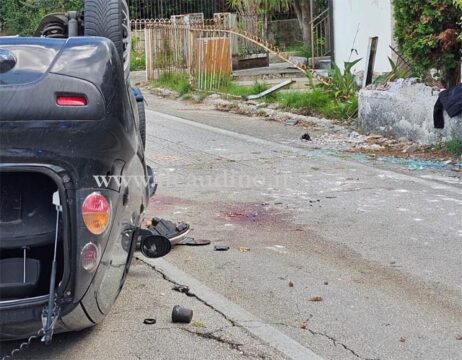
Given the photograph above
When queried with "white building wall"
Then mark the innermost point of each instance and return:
(366, 18)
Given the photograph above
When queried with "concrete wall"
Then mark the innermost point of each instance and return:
(405, 110)
(372, 18)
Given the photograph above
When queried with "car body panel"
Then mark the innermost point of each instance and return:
(73, 145)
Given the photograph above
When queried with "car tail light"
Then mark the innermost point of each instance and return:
(95, 213)
(89, 257)
(71, 101)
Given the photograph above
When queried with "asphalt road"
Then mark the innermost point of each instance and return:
(329, 257)
(381, 246)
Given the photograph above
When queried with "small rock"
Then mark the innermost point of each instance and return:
(244, 249)
(306, 137)
(459, 337)
(291, 122)
(316, 299)
(326, 283)
(375, 147)
(410, 149)
(291, 284)
(402, 339)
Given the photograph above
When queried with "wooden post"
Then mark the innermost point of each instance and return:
(148, 53)
(370, 60)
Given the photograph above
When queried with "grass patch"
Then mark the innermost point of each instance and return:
(454, 146)
(243, 91)
(318, 102)
(175, 81)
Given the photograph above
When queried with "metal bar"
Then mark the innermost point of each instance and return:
(271, 90)
(370, 60)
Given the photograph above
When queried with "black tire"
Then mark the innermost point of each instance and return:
(109, 19)
(142, 116)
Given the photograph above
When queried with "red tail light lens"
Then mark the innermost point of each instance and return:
(71, 101)
(95, 213)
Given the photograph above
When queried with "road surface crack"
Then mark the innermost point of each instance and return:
(336, 342)
(232, 344)
(211, 336)
(189, 293)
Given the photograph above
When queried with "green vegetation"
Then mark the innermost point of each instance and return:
(299, 50)
(454, 146)
(397, 72)
(137, 60)
(428, 33)
(243, 91)
(318, 102)
(175, 81)
(335, 98)
(23, 16)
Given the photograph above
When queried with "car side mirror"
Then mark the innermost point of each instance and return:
(151, 182)
(155, 246)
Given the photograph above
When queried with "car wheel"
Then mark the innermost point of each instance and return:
(142, 116)
(110, 19)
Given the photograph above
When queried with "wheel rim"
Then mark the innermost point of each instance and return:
(126, 35)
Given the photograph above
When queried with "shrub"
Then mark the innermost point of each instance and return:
(23, 16)
(454, 146)
(428, 33)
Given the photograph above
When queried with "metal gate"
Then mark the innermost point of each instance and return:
(321, 36)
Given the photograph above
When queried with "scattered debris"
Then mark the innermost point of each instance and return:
(183, 289)
(292, 122)
(411, 149)
(181, 315)
(316, 299)
(291, 284)
(149, 321)
(190, 241)
(244, 249)
(306, 137)
(221, 248)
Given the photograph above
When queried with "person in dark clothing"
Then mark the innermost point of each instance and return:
(449, 100)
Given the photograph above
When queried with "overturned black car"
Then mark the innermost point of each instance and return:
(70, 130)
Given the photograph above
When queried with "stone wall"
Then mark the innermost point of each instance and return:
(405, 109)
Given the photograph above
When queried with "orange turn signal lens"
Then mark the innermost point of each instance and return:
(95, 213)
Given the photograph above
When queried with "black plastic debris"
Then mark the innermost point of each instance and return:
(181, 315)
(149, 321)
(221, 248)
(306, 137)
(190, 241)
